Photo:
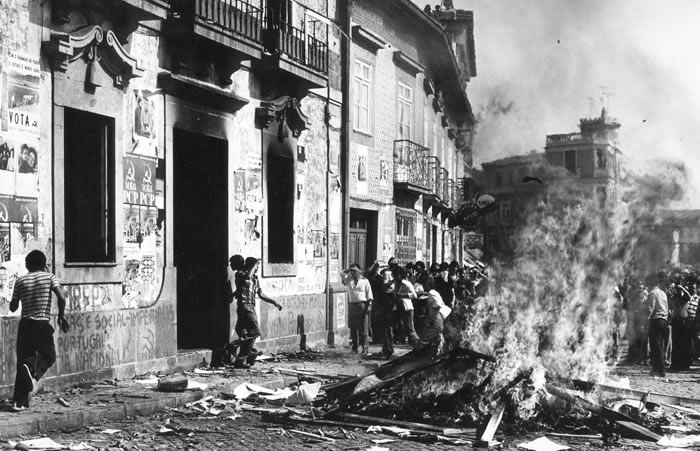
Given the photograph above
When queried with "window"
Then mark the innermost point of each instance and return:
(505, 210)
(499, 180)
(601, 159)
(280, 201)
(361, 97)
(89, 188)
(570, 160)
(405, 98)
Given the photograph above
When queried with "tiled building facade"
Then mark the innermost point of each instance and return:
(410, 119)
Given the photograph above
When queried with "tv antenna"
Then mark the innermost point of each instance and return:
(605, 97)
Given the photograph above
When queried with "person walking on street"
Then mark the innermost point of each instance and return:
(658, 324)
(360, 306)
(36, 352)
(247, 328)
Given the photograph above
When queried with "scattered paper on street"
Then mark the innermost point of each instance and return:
(111, 431)
(304, 394)
(194, 385)
(39, 443)
(679, 442)
(542, 444)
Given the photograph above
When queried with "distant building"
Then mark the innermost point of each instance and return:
(518, 182)
(591, 154)
(515, 184)
(675, 239)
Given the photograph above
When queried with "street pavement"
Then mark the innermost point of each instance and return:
(139, 413)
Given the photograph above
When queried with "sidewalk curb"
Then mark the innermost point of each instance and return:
(43, 423)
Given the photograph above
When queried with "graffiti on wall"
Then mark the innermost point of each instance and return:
(299, 315)
(106, 339)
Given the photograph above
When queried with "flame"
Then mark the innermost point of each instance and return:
(551, 309)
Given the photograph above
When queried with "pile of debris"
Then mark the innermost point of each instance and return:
(407, 397)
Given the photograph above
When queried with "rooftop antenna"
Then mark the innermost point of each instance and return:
(605, 97)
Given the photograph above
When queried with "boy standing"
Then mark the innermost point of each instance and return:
(35, 347)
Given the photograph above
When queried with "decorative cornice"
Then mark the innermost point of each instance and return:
(284, 110)
(368, 37)
(401, 59)
(94, 45)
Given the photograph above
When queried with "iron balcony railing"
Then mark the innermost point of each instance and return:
(411, 164)
(443, 185)
(235, 16)
(283, 37)
(450, 200)
(433, 167)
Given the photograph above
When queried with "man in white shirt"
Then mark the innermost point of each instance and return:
(658, 324)
(359, 306)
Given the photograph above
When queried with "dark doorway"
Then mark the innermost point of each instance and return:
(200, 237)
(363, 237)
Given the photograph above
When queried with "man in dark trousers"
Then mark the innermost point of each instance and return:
(658, 324)
(35, 347)
(247, 288)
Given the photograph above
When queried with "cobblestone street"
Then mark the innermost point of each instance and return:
(185, 429)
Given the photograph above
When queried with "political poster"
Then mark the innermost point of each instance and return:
(22, 85)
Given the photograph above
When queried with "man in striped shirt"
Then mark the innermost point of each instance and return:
(35, 347)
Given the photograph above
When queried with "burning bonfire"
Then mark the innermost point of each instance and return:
(545, 331)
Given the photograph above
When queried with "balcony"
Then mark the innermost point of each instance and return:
(235, 24)
(564, 139)
(449, 199)
(411, 172)
(295, 50)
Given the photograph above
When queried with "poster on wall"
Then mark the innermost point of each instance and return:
(143, 239)
(27, 158)
(7, 167)
(318, 244)
(239, 190)
(383, 173)
(144, 139)
(253, 192)
(5, 247)
(22, 84)
(334, 245)
(361, 170)
(139, 180)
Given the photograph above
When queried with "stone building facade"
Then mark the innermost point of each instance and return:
(410, 121)
(144, 142)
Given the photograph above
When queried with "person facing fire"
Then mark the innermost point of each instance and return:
(637, 324)
(681, 329)
(247, 288)
(658, 323)
(444, 284)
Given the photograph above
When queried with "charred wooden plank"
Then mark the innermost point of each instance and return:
(418, 427)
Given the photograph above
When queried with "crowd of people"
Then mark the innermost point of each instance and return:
(408, 303)
(662, 326)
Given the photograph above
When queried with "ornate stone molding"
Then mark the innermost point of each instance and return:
(284, 110)
(94, 45)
